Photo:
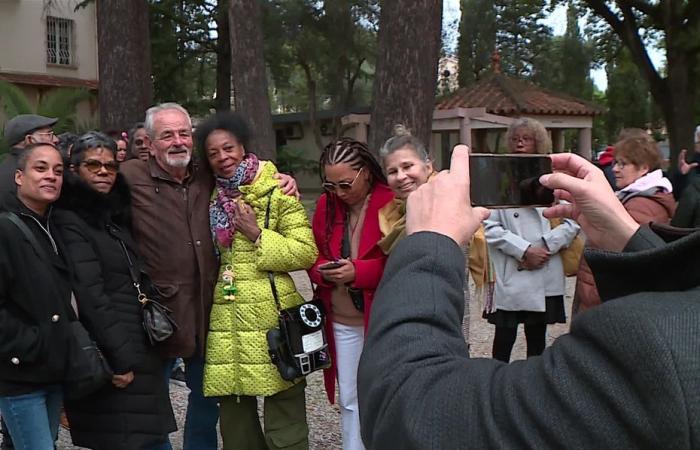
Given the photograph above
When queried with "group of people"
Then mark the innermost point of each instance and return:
(214, 236)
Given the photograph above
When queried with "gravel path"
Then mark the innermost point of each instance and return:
(324, 419)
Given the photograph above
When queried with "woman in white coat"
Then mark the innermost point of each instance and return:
(524, 250)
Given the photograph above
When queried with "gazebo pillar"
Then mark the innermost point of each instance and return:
(465, 132)
(361, 132)
(557, 140)
(585, 136)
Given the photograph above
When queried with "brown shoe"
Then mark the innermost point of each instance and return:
(64, 420)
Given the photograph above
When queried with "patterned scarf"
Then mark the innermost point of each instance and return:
(221, 217)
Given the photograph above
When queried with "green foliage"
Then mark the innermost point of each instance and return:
(183, 49)
(477, 39)
(292, 161)
(324, 47)
(627, 94)
(521, 35)
(60, 103)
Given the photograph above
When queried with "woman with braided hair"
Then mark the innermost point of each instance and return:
(350, 264)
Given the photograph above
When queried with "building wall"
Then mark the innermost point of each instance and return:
(23, 44)
(23, 37)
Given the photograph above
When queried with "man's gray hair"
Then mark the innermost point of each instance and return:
(153, 110)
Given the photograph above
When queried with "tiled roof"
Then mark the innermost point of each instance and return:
(47, 80)
(506, 96)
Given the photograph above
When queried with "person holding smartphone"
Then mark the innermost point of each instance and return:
(349, 266)
(524, 250)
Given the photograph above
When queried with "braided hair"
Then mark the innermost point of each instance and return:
(357, 155)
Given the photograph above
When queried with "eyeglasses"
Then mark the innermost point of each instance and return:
(525, 139)
(619, 163)
(138, 142)
(50, 134)
(343, 185)
(95, 166)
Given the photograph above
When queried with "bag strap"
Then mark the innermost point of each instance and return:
(12, 217)
(345, 246)
(132, 269)
(271, 275)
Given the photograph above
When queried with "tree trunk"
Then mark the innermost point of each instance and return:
(250, 76)
(223, 58)
(125, 89)
(406, 74)
(311, 93)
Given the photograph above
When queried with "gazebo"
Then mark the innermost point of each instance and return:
(492, 103)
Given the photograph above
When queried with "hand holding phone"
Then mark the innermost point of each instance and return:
(341, 271)
(330, 265)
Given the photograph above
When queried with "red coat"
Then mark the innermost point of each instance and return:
(369, 265)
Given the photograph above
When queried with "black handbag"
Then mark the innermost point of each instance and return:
(299, 345)
(156, 317)
(88, 370)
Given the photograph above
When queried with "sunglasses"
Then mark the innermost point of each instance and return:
(95, 166)
(343, 185)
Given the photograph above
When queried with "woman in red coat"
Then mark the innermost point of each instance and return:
(349, 265)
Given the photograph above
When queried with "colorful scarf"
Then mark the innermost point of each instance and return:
(221, 209)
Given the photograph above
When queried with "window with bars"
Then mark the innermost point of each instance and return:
(59, 41)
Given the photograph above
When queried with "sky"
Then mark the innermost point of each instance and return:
(556, 20)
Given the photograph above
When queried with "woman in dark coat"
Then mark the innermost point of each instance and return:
(126, 415)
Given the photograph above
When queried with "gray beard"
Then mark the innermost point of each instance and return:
(178, 162)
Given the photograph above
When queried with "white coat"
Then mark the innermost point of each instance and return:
(509, 233)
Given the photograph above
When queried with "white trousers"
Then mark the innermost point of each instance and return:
(348, 348)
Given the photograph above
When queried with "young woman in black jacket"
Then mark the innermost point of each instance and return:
(132, 413)
(36, 305)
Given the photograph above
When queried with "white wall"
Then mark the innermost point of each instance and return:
(23, 37)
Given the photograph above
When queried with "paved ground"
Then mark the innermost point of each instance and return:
(324, 419)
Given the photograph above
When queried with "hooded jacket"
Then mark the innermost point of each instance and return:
(648, 199)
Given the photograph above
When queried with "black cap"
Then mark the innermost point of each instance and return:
(20, 126)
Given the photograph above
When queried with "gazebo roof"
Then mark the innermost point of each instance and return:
(507, 96)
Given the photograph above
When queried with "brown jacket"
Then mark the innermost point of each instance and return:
(658, 208)
(171, 227)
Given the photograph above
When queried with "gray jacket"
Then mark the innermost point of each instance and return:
(509, 232)
(626, 377)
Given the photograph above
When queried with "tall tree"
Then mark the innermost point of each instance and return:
(184, 52)
(627, 95)
(521, 35)
(125, 89)
(250, 76)
(407, 59)
(477, 39)
(678, 23)
(223, 57)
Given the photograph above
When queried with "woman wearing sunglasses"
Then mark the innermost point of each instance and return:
(133, 412)
(350, 264)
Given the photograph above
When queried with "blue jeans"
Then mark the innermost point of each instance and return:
(32, 419)
(202, 412)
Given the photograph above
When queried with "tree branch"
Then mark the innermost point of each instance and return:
(653, 11)
(628, 32)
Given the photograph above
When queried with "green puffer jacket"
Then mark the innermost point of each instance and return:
(237, 361)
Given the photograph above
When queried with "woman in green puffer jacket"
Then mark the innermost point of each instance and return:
(237, 366)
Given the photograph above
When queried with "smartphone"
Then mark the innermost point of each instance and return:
(509, 181)
(330, 265)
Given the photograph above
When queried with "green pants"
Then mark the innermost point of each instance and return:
(284, 417)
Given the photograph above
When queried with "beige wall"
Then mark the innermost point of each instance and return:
(23, 38)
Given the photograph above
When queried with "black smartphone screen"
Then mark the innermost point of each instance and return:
(503, 181)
